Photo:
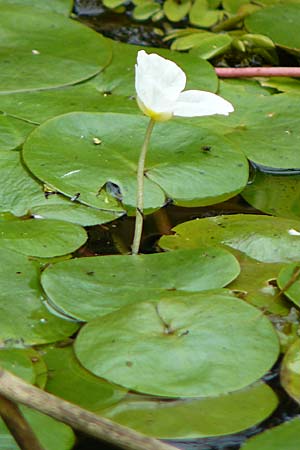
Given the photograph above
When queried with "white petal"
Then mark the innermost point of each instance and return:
(201, 103)
(158, 82)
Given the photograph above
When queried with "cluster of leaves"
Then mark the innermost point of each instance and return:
(192, 323)
(215, 28)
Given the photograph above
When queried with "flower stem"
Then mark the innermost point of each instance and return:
(140, 191)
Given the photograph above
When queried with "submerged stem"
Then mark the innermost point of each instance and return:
(140, 191)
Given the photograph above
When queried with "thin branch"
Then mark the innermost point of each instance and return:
(18, 426)
(241, 72)
(78, 418)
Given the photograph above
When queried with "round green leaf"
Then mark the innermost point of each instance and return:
(255, 284)
(264, 238)
(178, 348)
(24, 320)
(288, 279)
(13, 132)
(175, 10)
(21, 194)
(118, 77)
(58, 6)
(52, 435)
(38, 106)
(18, 361)
(212, 416)
(62, 153)
(41, 238)
(290, 371)
(271, 121)
(33, 56)
(285, 436)
(278, 195)
(115, 281)
(279, 22)
(70, 381)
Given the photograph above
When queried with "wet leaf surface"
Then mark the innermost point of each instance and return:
(62, 153)
(118, 280)
(178, 348)
(24, 318)
(264, 238)
(31, 40)
(210, 416)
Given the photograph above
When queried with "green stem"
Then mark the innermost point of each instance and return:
(140, 191)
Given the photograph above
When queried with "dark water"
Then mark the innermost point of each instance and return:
(117, 236)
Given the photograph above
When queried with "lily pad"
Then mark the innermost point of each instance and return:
(180, 348)
(283, 84)
(42, 238)
(279, 22)
(70, 381)
(24, 319)
(272, 122)
(256, 285)
(58, 6)
(62, 153)
(289, 280)
(212, 416)
(290, 371)
(285, 436)
(21, 194)
(115, 281)
(33, 56)
(118, 77)
(52, 435)
(278, 195)
(13, 132)
(18, 362)
(264, 238)
(38, 106)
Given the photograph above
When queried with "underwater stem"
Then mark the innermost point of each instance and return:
(140, 191)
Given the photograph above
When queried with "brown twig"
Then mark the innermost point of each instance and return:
(241, 72)
(18, 426)
(78, 418)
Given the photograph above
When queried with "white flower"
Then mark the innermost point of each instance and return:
(159, 83)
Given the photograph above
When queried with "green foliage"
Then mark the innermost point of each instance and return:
(189, 321)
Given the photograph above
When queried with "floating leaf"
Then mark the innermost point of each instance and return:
(212, 416)
(180, 348)
(278, 195)
(210, 47)
(283, 31)
(264, 238)
(52, 435)
(24, 319)
(62, 153)
(13, 132)
(176, 10)
(58, 6)
(115, 281)
(289, 280)
(42, 238)
(21, 195)
(145, 9)
(255, 284)
(18, 362)
(290, 371)
(284, 84)
(118, 77)
(285, 436)
(33, 56)
(70, 381)
(271, 121)
(38, 106)
(202, 16)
